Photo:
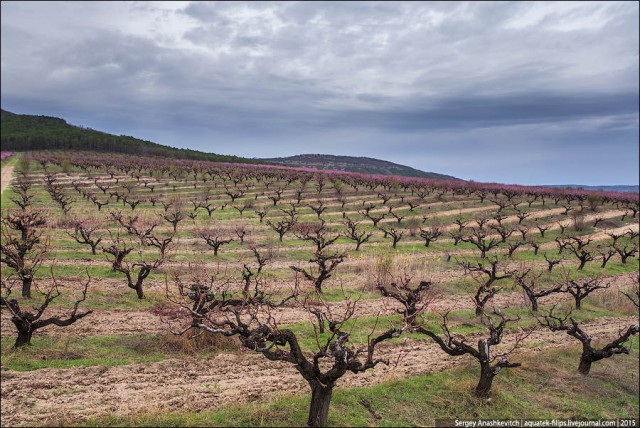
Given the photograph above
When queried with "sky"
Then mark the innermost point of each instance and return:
(511, 92)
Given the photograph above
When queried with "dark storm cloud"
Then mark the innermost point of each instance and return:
(419, 83)
(478, 111)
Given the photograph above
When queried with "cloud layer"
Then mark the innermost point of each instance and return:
(531, 93)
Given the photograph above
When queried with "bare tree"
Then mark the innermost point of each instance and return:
(581, 288)
(86, 232)
(175, 214)
(529, 282)
(241, 230)
(367, 208)
(578, 247)
(413, 204)
(398, 286)
(21, 247)
(456, 235)
(57, 194)
(22, 197)
(154, 239)
(233, 193)
(262, 257)
(325, 261)
(535, 245)
(606, 252)
(486, 289)
(513, 246)
(478, 237)
(253, 323)
(504, 231)
(432, 233)
(615, 237)
(551, 262)
(244, 206)
(481, 220)
(626, 251)
(542, 228)
(523, 232)
(27, 322)
(135, 272)
(276, 198)
(281, 227)
(262, 212)
(395, 215)
(215, 237)
(292, 213)
(396, 234)
(522, 216)
(135, 226)
(491, 361)
(589, 353)
(374, 218)
(353, 233)
(318, 208)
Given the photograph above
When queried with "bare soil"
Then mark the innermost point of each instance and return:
(5, 179)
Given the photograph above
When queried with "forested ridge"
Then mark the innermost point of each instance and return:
(22, 132)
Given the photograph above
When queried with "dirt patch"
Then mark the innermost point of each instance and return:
(5, 179)
(99, 323)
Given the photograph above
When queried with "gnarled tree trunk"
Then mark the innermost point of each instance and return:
(320, 400)
(486, 379)
(139, 291)
(585, 364)
(24, 334)
(26, 287)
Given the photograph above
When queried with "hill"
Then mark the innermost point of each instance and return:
(356, 164)
(23, 132)
(618, 188)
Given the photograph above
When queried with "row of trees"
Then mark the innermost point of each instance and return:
(234, 174)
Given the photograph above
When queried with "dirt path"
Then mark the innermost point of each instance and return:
(5, 180)
(55, 396)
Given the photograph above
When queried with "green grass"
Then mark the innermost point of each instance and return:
(66, 352)
(607, 393)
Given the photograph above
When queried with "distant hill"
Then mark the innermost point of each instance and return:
(620, 188)
(23, 132)
(4, 113)
(356, 164)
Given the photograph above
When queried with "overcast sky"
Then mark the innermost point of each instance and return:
(528, 93)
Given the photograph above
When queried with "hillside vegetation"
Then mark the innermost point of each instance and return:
(23, 132)
(360, 164)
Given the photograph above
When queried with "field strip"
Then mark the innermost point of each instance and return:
(5, 179)
(50, 396)
(129, 322)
